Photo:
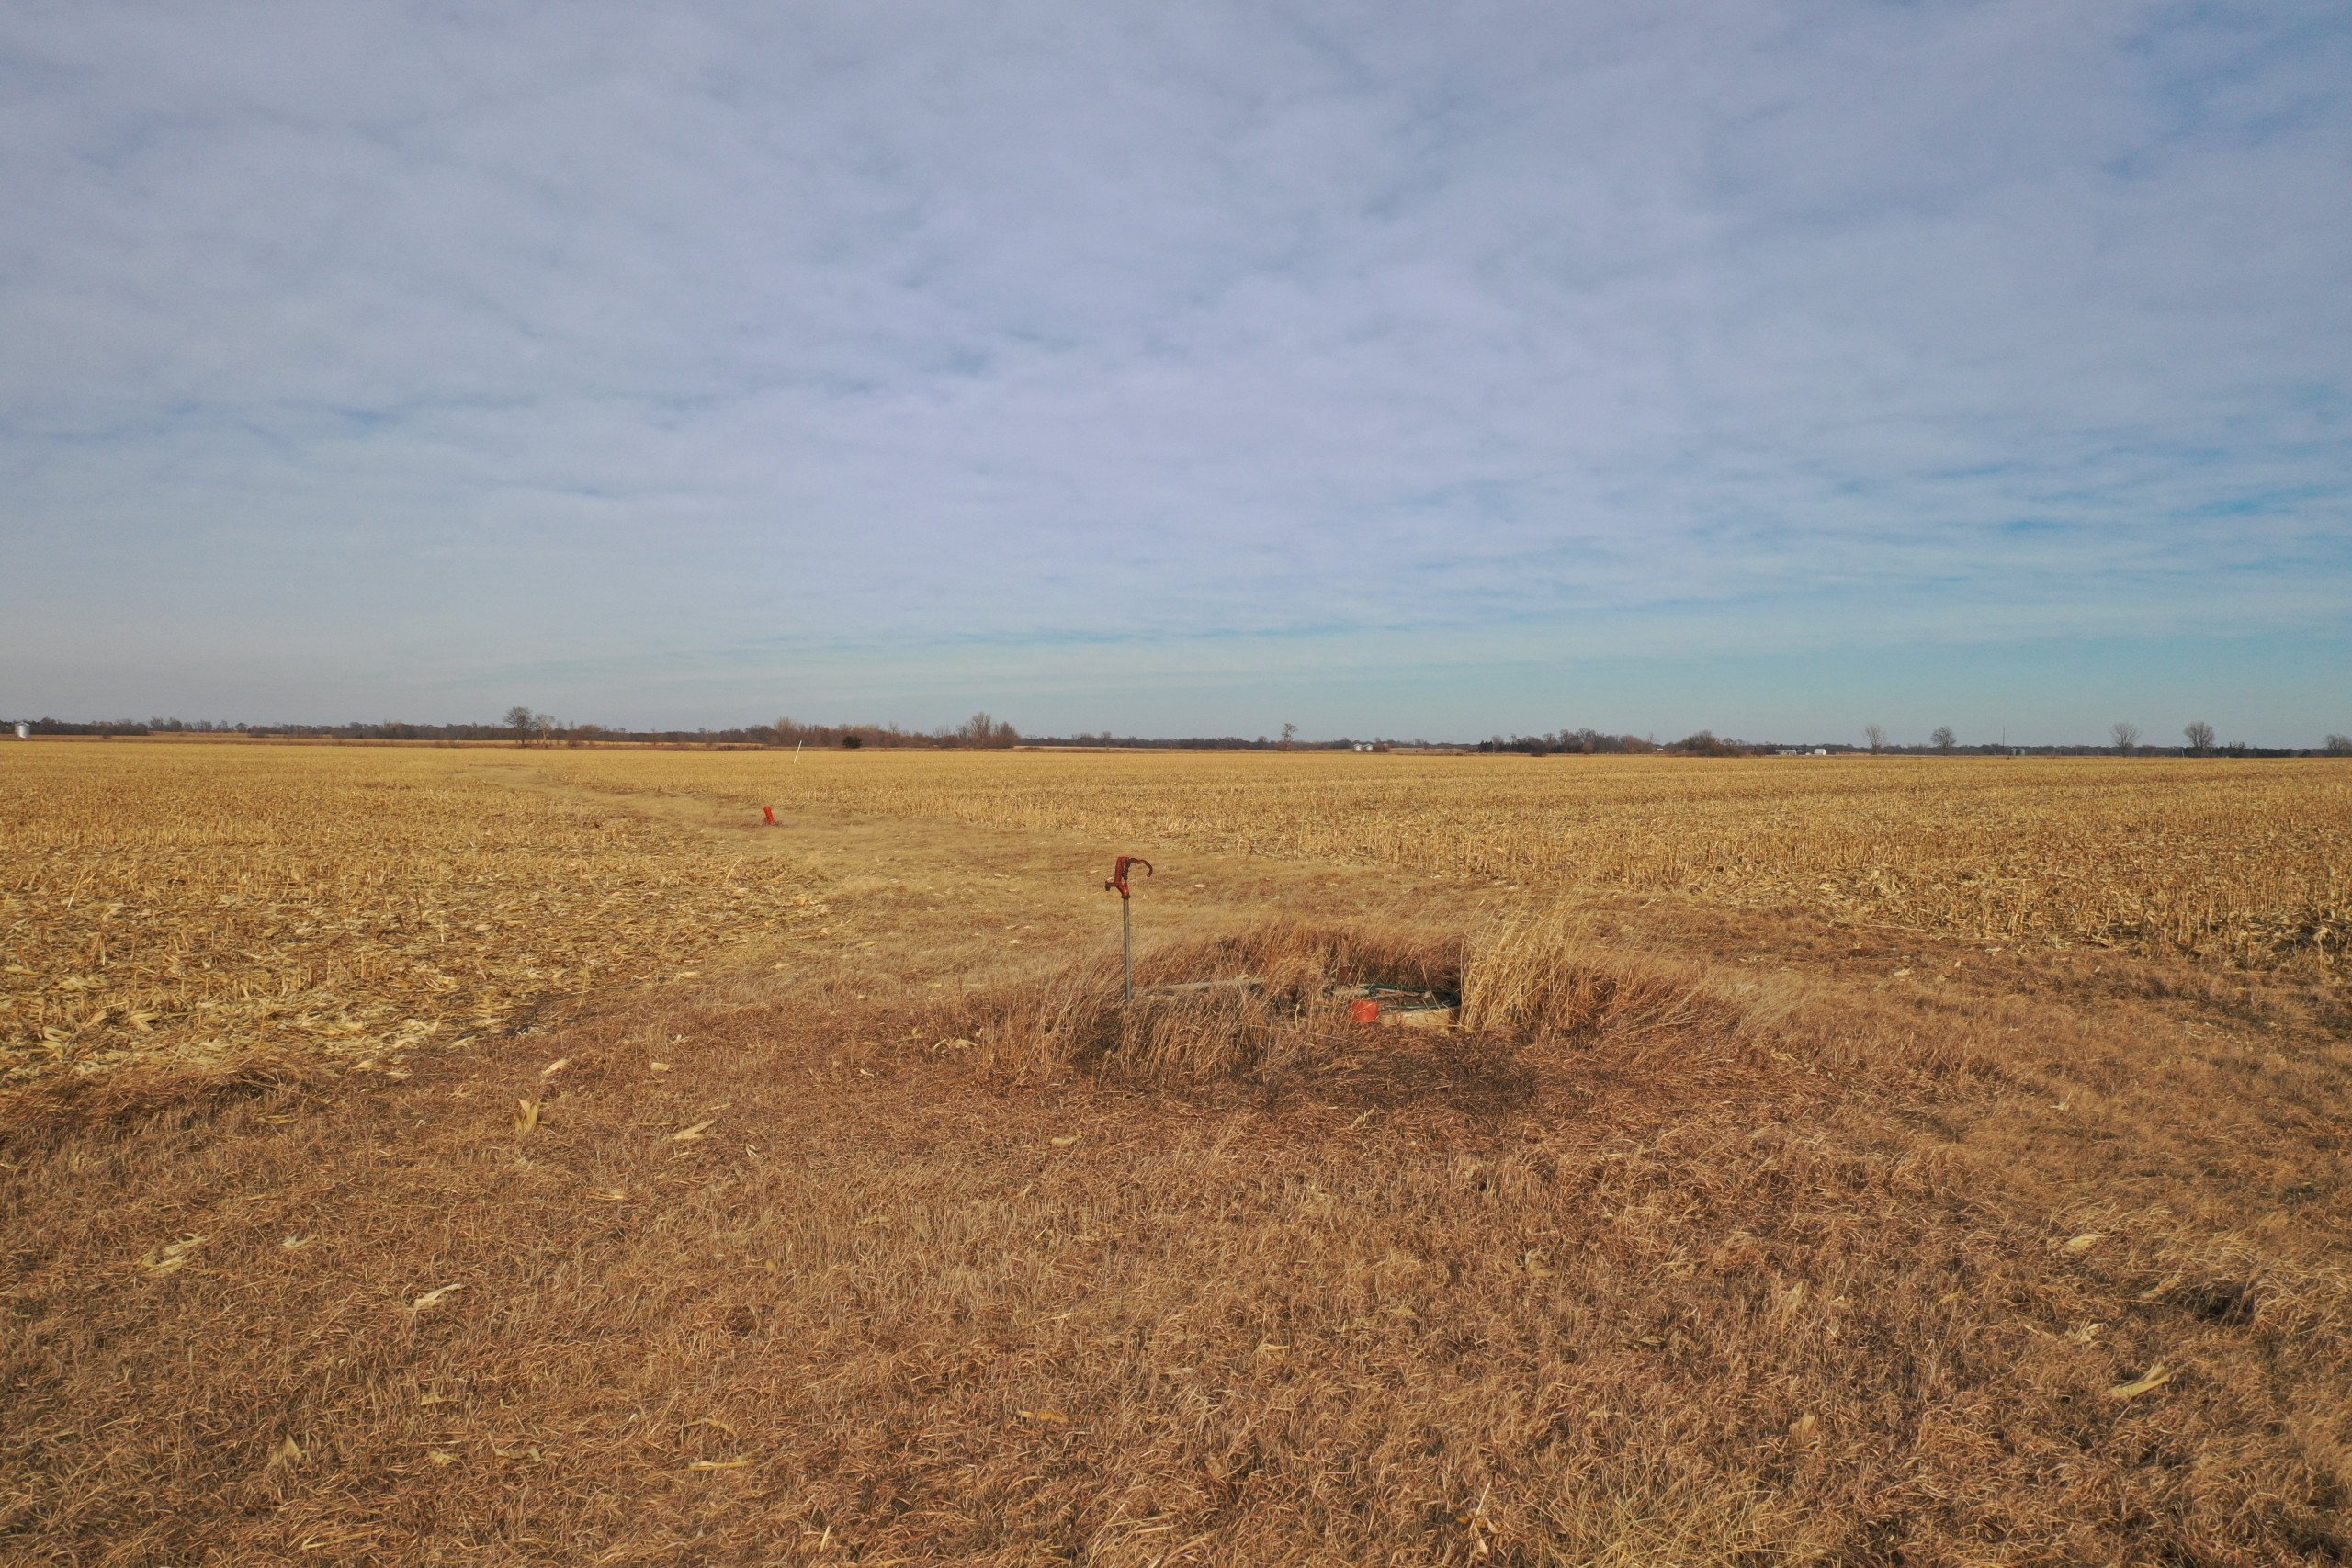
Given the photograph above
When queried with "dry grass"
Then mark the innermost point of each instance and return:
(1531, 972)
(1729, 1241)
(215, 908)
(2242, 861)
(206, 906)
(1259, 999)
(1716, 1290)
(1231, 1005)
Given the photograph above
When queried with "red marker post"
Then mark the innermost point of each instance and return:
(1118, 884)
(770, 813)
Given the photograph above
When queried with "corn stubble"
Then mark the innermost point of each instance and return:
(2241, 862)
(208, 907)
(1658, 1257)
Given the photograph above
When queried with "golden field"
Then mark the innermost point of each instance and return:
(501, 1156)
(197, 905)
(2249, 862)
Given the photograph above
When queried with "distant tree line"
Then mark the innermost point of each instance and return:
(1588, 742)
(2200, 739)
(2124, 740)
(527, 727)
(982, 732)
(1288, 742)
(1592, 742)
(1171, 743)
(135, 726)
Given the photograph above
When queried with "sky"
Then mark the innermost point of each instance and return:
(1387, 369)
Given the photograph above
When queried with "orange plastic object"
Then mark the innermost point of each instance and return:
(1363, 1013)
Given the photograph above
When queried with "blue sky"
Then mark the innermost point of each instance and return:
(1408, 370)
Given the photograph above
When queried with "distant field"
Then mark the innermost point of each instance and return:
(198, 902)
(2246, 862)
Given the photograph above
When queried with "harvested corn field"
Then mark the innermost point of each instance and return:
(209, 903)
(2248, 863)
(198, 906)
(1716, 1225)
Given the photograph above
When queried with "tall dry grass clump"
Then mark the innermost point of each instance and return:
(1540, 976)
(1275, 993)
(1224, 1006)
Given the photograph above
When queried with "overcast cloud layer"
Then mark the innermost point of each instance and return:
(1418, 369)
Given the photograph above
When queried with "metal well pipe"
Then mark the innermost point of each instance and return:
(1118, 884)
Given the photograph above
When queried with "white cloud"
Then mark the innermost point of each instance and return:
(396, 337)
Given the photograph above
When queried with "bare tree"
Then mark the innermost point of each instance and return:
(2200, 737)
(2127, 736)
(1876, 735)
(519, 720)
(2338, 746)
(985, 730)
(543, 726)
(1290, 736)
(1943, 740)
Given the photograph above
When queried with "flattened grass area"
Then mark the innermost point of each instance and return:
(1716, 1239)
